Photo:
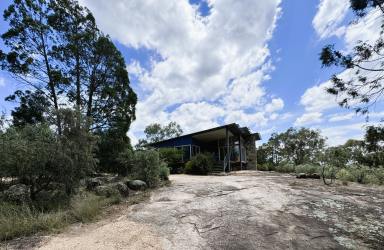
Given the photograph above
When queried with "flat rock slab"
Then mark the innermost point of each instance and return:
(244, 210)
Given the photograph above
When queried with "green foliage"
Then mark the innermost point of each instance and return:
(33, 107)
(155, 133)
(263, 167)
(308, 169)
(361, 174)
(147, 167)
(56, 47)
(285, 168)
(173, 157)
(38, 158)
(114, 152)
(23, 220)
(125, 161)
(344, 175)
(297, 146)
(200, 164)
(164, 172)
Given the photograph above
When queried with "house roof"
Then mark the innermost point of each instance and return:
(232, 127)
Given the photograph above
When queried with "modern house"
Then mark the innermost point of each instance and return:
(232, 146)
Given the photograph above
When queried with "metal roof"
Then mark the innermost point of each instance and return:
(233, 127)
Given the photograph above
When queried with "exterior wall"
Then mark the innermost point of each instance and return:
(250, 147)
(180, 141)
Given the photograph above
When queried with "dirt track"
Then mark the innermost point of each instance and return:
(246, 210)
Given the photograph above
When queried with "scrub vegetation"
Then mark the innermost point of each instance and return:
(304, 151)
(64, 153)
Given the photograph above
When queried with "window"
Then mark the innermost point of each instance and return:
(195, 150)
(186, 149)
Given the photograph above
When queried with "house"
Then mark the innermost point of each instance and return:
(232, 146)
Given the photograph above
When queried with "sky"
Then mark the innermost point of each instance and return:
(205, 63)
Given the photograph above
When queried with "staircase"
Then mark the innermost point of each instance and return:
(219, 167)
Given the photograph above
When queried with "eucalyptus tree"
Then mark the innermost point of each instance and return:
(31, 43)
(362, 85)
(55, 47)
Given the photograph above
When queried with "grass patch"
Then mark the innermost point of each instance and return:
(22, 220)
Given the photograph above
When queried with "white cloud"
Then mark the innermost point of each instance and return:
(275, 105)
(2, 82)
(341, 117)
(309, 118)
(337, 135)
(329, 17)
(316, 98)
(216, 62)
(365, 30)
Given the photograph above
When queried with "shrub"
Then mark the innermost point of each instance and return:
(147, 167)
(173, 157)
(263, 167)
(359, 173)
(38, 158)
(125, 160)
(344, 176)
(201, 164)
(285, 168)
(164, 172)
(379, 173)
(307, 169)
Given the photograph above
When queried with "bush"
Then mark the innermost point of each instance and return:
(344, 176)
(40, 159)
(201, 164)
(379, 173)
(263, 167)
(285, 168)
(164, 172)
(173, 157)
(147, 167)
(359, 173)
(308, 169)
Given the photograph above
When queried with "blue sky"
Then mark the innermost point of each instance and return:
(203, 63)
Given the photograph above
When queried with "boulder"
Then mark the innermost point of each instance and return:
(18, 193)
(93, 183)
(301, 175)
(137, 185)
(308, 176)
(315, 176)
(106, 191)
(122, 188)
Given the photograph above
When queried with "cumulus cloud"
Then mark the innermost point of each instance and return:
(275, 105)
(200, 64)
(341, 117)
(309, 118)
(329, 16)
(315, 98)
(337, 135)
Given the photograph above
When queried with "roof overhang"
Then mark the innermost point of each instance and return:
(218, 133)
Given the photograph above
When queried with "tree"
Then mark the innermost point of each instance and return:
(33, 107)
(363, 87)
(155, 132)
(56, 48)
(31, 42)
(296, 146)
(374, 143)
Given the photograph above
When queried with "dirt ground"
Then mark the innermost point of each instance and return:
(244, 210)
